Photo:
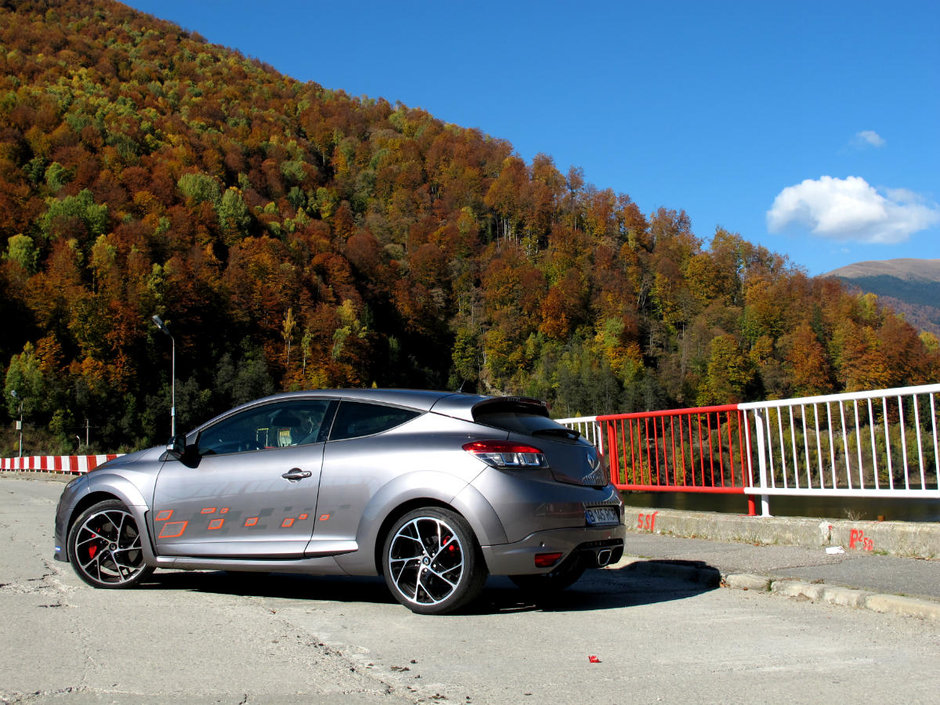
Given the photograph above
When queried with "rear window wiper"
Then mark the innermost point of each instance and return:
(568, 433)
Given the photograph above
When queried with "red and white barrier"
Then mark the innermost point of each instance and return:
(70, 464)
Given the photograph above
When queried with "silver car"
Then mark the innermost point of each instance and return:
(432, 490)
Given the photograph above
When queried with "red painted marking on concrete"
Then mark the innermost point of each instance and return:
(646, 522)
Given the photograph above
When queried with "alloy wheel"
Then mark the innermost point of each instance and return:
(430, 562)
(105, 547)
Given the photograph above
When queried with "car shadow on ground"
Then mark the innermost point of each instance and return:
(639, 583)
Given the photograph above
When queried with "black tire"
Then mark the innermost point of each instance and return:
(432, 562)
(105, 547)
(560, 578)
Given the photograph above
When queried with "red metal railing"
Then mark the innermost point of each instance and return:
(682, 450)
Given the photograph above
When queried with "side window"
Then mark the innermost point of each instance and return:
(277, 425)
(354, 419)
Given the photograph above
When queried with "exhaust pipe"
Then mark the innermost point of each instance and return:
(603, 557)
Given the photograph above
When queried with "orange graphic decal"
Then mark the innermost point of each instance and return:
(287, 523)
(216, 524)
(324, 517)
(251, 521)
(223, 510)
(167, 531)
(163, 515)
(303, 517)
(208, 510)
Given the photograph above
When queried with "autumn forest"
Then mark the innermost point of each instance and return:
(297, 237)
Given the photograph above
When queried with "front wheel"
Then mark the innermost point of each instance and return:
(432, 562)
(105, 546)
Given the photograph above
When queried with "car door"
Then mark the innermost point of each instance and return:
(253, 490)
(358, 460)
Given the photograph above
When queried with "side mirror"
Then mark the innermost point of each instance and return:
(176, 447)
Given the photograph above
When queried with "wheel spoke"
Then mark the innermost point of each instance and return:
(124, 564)
(94, 560)
(94, 534)
(441, 575)
(404, 565)
(125, 571)
(449, 542)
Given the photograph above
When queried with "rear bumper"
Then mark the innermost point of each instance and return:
(600, 546)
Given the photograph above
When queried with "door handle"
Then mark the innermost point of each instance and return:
(295, 474)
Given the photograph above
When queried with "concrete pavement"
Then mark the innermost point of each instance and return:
(616, 636)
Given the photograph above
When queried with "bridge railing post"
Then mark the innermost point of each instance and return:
(761, 440)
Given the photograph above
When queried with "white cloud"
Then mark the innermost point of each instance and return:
(852, 210)
(868, 138)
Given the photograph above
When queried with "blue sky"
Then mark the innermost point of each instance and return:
(812, 128)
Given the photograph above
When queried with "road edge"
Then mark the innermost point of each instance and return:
(794, 589)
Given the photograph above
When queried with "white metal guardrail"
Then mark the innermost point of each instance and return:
(588, 427)
(881, 443)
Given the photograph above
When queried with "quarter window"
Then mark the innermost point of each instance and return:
(354, 419)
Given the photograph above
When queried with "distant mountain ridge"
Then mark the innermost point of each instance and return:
(906, 268)
(910, 286)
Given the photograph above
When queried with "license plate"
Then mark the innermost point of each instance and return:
(596, 516)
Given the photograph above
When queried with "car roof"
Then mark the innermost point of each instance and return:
(423, 399)
(455, 404)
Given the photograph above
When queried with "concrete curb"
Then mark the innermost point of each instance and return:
(896, 538)
(796, 589)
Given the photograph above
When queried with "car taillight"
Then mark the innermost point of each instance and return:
(507, 455)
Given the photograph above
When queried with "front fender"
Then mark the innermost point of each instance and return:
(103, 484)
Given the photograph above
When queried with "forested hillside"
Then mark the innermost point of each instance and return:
(297, 237)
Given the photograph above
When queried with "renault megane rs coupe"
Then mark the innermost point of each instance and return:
(432, 490)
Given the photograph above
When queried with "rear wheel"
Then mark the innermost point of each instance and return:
(105, 546)
(564, 576)
(431, 561)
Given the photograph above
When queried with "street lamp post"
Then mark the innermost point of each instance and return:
(19, 424)
(162, 326)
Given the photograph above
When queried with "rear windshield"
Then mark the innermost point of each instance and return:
(517, 416)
